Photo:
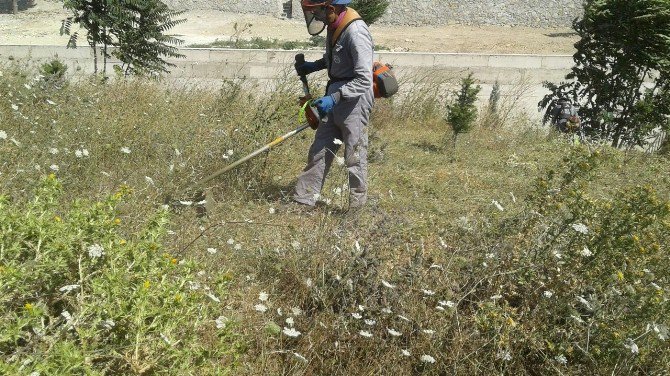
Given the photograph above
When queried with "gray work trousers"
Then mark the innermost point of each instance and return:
(348, 123)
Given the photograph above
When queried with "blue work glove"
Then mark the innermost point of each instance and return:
(310, 67)
(325, 105)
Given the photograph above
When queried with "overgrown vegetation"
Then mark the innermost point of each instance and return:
(621, 77)
(525, 255)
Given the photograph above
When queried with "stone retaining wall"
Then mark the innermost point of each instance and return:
(533, 13)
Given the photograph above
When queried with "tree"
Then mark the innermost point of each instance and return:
(370, 10)
(134, 28)
(15, 6)
(462, 112)
(140, 27)
(621, 76)
(94, 17)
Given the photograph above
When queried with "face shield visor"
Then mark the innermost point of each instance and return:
(315, 15)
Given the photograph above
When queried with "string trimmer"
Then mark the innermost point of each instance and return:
(308, 112)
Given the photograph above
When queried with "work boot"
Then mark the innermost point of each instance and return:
(295, 207)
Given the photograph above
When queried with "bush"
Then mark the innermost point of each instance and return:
(370, 10)
(78, 297)
(462, 112)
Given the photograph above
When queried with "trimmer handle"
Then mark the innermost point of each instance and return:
(300, 60)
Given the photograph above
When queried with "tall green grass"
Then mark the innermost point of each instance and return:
(516, 253)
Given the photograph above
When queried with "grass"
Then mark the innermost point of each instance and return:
(464, 280)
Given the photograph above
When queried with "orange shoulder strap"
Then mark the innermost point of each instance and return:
(349, 17)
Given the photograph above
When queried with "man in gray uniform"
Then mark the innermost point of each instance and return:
(346, 107)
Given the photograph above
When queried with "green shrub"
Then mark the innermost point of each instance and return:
(79, 297)
(370, 10)
(462, 111)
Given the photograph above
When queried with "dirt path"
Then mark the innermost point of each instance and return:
(40, 26)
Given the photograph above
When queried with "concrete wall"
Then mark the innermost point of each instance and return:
(535, 13)
(209, 68)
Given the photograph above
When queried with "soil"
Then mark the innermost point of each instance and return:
(41, 24)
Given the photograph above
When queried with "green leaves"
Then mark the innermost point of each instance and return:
(462, 112)
(621, 71)
(134, 28)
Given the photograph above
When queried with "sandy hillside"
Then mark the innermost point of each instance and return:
(40, 26)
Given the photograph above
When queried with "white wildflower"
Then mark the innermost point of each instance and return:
(387, 311)
(356, 315)
(558, 255)
(447, 303)
(125, 150)
(428, 292)
(67, 316)
(108, 324)
(585, 302)
(504, 355)
(580, 228)
(3, 135)
(211, 251)
(365, 334)
(52, 151)
(548, 294)
(340, 161)
(85, 152)
(231, 241)
(291, 332)
(166, 339)
(213, 297)
(261, 308)
(230, 153)
(337, 190)
(221, 322)
(662, 331)
(95, 251)
(271, 210)
(429, 331)
(386, 284)
(263, 296)
(15, 107)
(561, 359)
(337, 141)
(497, 205)
(632, 346)
(290, 321)
(54, 167)
(78, 153)
(149, 180)
(296, 311)
(238, 246)
(370, 322)
(586, 252)
(496, 297)
(427, 359)
(393, 332)
(68, 288)
(300, 357)
(405, 352)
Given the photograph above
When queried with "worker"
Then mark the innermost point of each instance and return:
(346, 107)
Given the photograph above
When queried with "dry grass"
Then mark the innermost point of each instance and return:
(422, 232)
